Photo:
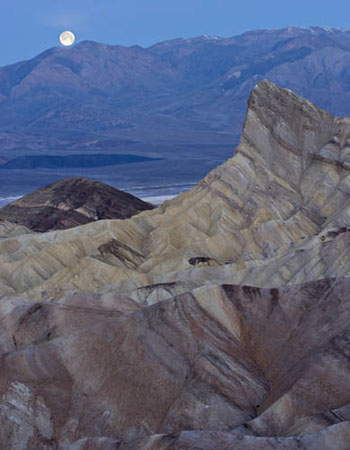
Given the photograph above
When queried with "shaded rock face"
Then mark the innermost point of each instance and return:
(71, 202)
(247, 363)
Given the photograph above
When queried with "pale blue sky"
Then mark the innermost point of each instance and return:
(28, 27)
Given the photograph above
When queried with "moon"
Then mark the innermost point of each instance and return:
(67, 38)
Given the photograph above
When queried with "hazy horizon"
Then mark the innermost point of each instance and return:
(77, 42)
(28, 30)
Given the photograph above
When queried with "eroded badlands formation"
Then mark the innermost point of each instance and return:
(276, 213)
(218, 320)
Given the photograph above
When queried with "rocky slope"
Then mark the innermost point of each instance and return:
(259, 368)
(276, 213)
(71, 202)
(218, 320)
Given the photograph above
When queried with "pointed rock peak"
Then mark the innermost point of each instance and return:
(286, 132)
(268, 97)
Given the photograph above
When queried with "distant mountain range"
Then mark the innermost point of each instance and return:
(178, 94)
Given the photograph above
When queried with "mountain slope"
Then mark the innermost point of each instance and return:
(71, 202)
(115, 96)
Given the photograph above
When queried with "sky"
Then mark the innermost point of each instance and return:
(30, 27)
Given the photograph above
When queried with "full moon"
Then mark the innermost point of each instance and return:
(67, 38)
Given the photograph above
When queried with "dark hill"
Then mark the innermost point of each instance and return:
(71, 202)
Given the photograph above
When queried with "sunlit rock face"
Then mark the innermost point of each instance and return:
(276, 213)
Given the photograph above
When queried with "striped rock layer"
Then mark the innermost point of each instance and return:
(224, 367)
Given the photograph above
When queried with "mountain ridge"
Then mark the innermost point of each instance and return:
(182, 100)
(199, 80)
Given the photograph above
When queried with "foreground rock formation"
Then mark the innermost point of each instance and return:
(218, 320)
(246, 363)
(71, 202)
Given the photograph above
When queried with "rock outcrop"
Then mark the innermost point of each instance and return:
(71, 202)
(275, 214)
